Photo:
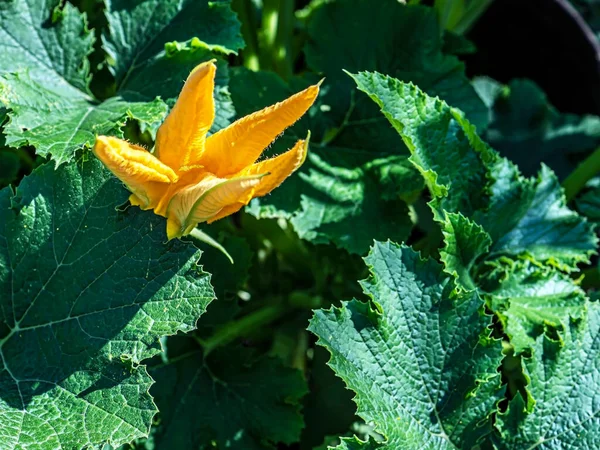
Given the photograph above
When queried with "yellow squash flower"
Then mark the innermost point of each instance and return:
(193, 178)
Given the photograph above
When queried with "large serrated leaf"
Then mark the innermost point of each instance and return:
(565, 384)
(87, 290)
(418, 358)
(58, 125)
(54, 111)
(522, 216)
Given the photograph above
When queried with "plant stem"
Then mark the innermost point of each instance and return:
(581, 175)
(270, 16)
(459, 16)
(276, 35)
(282, 47)
(247, 15)
(243, 326)
(471, 16)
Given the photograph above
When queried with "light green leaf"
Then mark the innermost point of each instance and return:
(529, 300)
(138, 31)
(349, 194)
(418, 357)
(58, 125)
(522, 216)
(227, 401)
(50, 105)
(51, 41)
(465, 243)
(87, 292)
(58, 122)
(564, 382)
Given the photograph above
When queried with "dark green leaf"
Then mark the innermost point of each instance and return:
(346, 195)
(138, 31)
(227, 401)
(409, 47)
(51, 43)
(525, 128)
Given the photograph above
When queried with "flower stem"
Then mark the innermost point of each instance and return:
(243, 326)
(581, 175)
(203, 237)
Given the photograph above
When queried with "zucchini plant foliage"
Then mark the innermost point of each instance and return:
(475, 324)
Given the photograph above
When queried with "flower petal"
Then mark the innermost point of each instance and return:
(202, 201)
(181, 138)
(227, 211)
(279, 168)
(142, 173)
(240, 144)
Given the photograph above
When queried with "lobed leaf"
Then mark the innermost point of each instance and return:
(564, 381)
(418, 357)
(87, 290)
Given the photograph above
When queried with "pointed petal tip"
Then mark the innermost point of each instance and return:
(209, 66)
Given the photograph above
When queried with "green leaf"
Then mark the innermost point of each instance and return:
(563, 380)
(539, 222)
(58, 125)
(410, 48)
(138, 31)
(10, 165)
(52, 42)
(588, 203)
(89, 290)
(46, 88)
(527, 129)
(58, 122)
(228, 400)
(348, 194)
(530, 300)
(418, 356)
(523, 216)
(328, 408)
(465, 243)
